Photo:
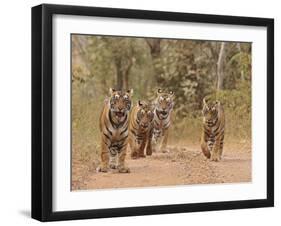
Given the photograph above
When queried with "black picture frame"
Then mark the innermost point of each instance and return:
(42, 111)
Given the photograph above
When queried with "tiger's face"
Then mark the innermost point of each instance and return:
(164, 102)
(120, 103)
(145, 114)
(210, 112)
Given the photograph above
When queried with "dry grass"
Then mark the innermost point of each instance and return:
(85, 133)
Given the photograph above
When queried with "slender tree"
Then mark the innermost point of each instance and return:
(220, 64)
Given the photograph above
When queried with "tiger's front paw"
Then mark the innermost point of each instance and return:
(102, 169)
(141, 155)
(134, 155)
(215, 157)
(148, 151)
(123, 169)
(112, 166)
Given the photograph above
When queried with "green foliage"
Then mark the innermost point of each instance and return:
(237, 65)
(176, 70)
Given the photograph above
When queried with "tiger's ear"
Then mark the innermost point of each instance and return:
(159, 91)
(111, 91)
(130, 92)
(217, 103)
(172, 94)
(140, 103)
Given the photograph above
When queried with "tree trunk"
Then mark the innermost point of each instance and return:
(220, 64)
(127, 72)
(155, 50)
(240, 61)
(123, 67)
(119, 85)
(126, 80)
(119, 74)
(154, 45)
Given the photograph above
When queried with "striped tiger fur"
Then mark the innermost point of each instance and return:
(114, 122)
(213, 130)
(140, 128)
(164, 104)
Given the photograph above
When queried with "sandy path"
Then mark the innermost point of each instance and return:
(178, 167)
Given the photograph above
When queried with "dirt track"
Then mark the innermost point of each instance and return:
(178, 167)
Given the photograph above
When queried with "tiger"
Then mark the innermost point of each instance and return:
(140, 127)
(212, 137)
(164, 104)
(113, 123)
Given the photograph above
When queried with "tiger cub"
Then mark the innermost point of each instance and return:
(140, 128)
(213, 130)
(164, 104)
(114, 122)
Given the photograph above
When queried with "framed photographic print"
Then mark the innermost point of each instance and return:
(145, 112)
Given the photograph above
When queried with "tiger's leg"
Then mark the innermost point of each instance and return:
(205, 149)
(204, 146)
(154, 144)
(141, 149)
(113, 158)
(164, 141)
(121, 161)
(220, 152)
(221, 146)
(135, 153)
(156, 139)
(132, 144)
(215, 156)
(149, 146)
(104, 158)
